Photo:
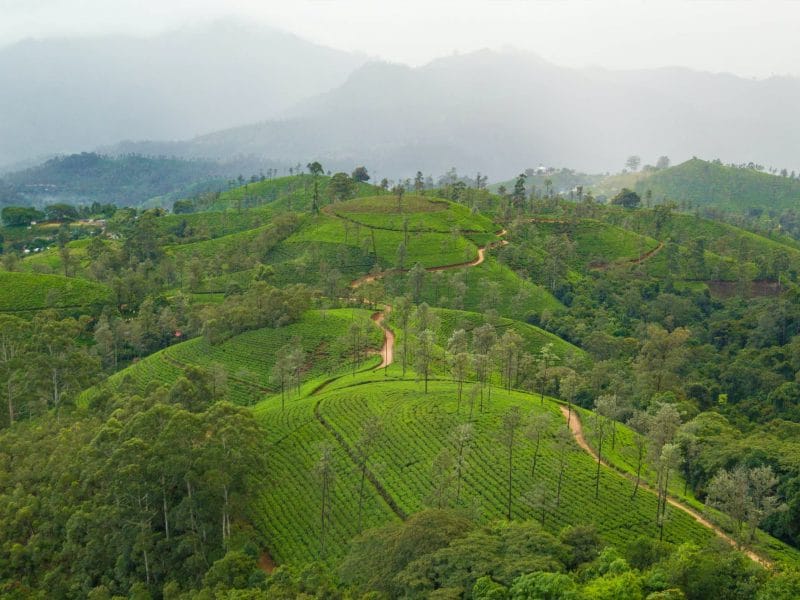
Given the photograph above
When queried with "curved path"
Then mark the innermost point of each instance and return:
(387, 358)
(470, 263)
(631, 261)
(387, 350)
(576, 428)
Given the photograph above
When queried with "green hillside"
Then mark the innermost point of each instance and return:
(247, 359)
(417, 427)
(704, 183)
(596, 244)
(412, 213)
(726, 247)
(33, 291)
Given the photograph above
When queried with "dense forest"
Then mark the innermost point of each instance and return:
(124, 180)
(326, 386)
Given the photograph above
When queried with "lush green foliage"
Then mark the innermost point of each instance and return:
(703, 183)
(33, 291)
(125, 180)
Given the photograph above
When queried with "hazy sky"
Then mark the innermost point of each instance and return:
(751, 37)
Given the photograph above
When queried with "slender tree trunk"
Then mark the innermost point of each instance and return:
(146, 567)
(638, 473)
(192, 521)
(658, 489)
(164, 506)
(10, 398)
(535, 455)
(666, 491)
(361, 492)
(225, 513)
(597, 475)
(510, 473)
(322, 518)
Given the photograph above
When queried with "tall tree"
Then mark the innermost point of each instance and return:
(538, 424)
(402, 312)
(424, 346)
(640, 424)
(371, 433)
(510, 349)
(14, 334)
(462, 439)
(668, 461)
(600, 432)
(457, 350)
(546, 359)
(360, 175)
(416, 277)
(326, 477)
(563, 445)
(512, 421)
(341, 187)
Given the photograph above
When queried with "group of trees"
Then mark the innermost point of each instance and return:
(44, 363)
(481, 355)
(145, 493)
(444, 552)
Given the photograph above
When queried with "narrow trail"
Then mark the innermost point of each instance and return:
(647, 255)
(266, 563)
(387, 350)
(470, 263)
(576, 428)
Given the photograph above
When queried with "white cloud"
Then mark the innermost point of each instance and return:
(747, 37)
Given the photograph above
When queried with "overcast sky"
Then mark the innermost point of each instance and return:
(753, 38)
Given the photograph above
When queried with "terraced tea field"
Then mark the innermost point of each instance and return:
(248, 358)
(21, 292)
(417, 427)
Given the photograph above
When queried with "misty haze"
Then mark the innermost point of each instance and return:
(458, 300)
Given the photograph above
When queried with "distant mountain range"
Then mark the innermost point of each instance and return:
(499, 112)
(273, 97)
(69, 95)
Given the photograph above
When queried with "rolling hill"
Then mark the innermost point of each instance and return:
(710, 184)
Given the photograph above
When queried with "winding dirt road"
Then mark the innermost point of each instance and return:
(387, 350)
(480, 258)
(576, 428)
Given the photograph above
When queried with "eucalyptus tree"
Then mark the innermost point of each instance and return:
(510, 425)
(368, 441)
(325, 473)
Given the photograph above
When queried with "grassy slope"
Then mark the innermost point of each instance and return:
(33, 291)
(725, 244)
(420, 212)
(533, 337)
(707, 184)
(248, 358)
(516, 298)
(429, 249)
(417, 427)
(599, 243)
